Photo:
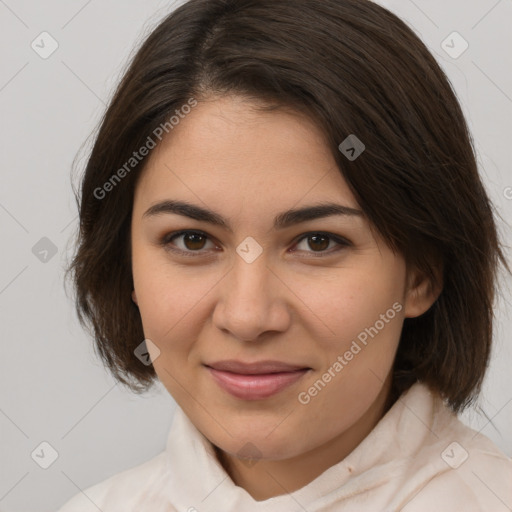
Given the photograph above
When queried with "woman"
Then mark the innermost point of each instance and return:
(282, 220)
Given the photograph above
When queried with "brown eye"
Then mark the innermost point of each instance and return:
(189, 243)
(194, 241)
(318, 242)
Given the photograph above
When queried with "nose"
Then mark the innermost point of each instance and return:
(251, 301)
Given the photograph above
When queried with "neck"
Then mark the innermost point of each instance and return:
(266, 479)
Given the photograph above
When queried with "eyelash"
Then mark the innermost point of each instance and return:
(168, 238)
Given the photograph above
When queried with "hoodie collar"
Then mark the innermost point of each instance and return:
(197, 482)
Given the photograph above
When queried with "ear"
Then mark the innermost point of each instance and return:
(134, 297)
(422, 291)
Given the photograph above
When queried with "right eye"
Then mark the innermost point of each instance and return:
(192, 242)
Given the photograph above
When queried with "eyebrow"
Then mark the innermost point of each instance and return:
(281, 221)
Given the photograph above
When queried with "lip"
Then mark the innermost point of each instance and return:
(258, 380)
(258, 367)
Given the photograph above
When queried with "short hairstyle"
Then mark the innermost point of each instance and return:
(353, 67)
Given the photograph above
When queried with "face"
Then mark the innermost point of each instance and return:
(319, 292)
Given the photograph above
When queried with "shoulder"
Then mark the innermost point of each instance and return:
(445, 465)
(483, 485)
(473, 474)
(119, 490)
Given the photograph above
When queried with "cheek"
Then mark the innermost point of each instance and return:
(360, 329)
(169, 308)
(169, 300)
(343, 305)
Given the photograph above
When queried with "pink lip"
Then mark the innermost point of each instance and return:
(257, 367)
(255, 386)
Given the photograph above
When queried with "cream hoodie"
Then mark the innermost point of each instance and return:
(419, 458)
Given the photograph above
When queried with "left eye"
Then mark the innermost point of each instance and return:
(319, 242)
(195, 241)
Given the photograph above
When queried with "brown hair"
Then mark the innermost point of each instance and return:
(354, 68)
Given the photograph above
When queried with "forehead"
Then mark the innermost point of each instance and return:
(227, 152)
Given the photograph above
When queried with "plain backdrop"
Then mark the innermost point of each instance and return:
(53, 388)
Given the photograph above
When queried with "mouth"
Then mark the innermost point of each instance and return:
(255, 381)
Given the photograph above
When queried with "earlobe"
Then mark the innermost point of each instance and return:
(422, 292)
(134, 297)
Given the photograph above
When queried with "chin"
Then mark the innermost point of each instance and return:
(269, 442)
(260, 448)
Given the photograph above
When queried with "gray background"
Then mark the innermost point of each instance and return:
(53, 387)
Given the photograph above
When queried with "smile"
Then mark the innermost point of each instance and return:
(255, 386)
